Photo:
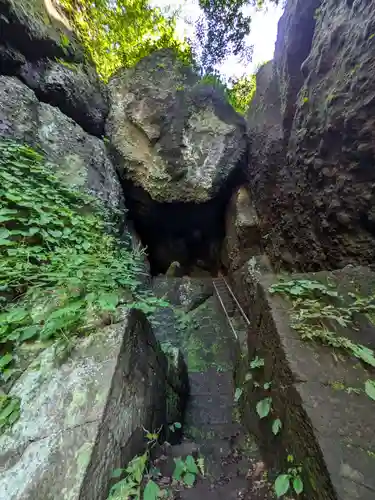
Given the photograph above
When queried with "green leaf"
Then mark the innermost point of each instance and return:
(298, 485)
(177, 425)
(238, 394)
(264, 407)
(362, 352)
(189, 479)
(117, 473)
(248, 377)
(179, 469)
(151, 491)
(6, 243)
(191, 466)
(257, 362)
(5, 360)
(276, 426)
(108, 301)
(4, 233)
(282, 485)
(28, 333)
(370, 388)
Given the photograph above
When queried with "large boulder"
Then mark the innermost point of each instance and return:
(37, 46)
(179, 148)
(176, 138)
(311, 137)
(84, 416)
(80, 158)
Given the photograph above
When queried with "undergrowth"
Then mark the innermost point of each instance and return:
(63, 271)
(319, 310)
(140, 480)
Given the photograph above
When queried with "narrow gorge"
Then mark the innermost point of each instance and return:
(187, 294)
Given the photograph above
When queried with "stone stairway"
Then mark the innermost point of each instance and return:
(210, 344)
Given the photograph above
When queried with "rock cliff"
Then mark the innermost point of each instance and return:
(310, 127)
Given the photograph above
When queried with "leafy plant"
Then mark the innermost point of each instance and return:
(9, 411)
(263, 407)
(292, 479)
(63, 272)
(131, 485)
(257, 362)
(313, 312)
(175, 426)
(187, 470)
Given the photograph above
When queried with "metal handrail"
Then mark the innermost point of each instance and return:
(225, 311)
(235, 299)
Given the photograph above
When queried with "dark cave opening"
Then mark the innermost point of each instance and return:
(185, 232)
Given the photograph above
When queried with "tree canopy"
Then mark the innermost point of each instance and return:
(120, 33)
(222, 30)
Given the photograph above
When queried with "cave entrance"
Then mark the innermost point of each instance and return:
(190, 234)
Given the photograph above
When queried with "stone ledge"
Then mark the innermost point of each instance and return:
(329, 430)
(83, 418)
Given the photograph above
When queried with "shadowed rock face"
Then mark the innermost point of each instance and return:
(179, 148)
(37, 46)
(312, 132)
(83, 418)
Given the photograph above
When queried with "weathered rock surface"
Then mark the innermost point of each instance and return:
(312, 140)
(37, 46)
(83, 417)
(318, 393)
(37, 29)
(176, 138)
(78, 157)
(74, 88)
(180, 148)
(242, 231)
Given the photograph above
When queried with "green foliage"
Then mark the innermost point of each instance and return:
(62, 272)
(222, 30)
(370, 388)
(316, 307)
(135, 474)
(256, 362)
(276, 426)
(137, 482)
(284, 482)
(241, 93)
(9, 411)
(119, 34)
(263, 407)
(186, 471)
(238, 394)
